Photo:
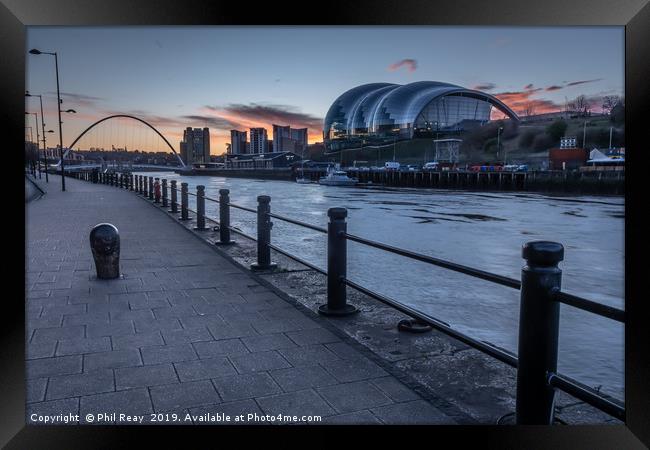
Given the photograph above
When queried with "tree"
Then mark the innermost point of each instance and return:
(556, 130)
(617, 114)
(580, 105)
(529, 109)
(609, 102)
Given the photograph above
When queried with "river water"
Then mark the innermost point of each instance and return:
(484, 230)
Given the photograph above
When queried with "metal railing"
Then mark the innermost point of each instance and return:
(540, 297)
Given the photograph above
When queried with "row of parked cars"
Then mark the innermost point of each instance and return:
(435, 166)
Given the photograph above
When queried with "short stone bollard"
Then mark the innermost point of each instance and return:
(105, 246)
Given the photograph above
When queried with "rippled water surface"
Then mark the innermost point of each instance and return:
(481, 229)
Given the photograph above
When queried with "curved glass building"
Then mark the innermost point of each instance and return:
(377, 112)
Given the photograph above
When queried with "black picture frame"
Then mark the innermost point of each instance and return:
(15, 15)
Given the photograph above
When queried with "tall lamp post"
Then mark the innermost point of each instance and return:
(58, 108)
(40, 97)
(499, 141)
(38, 139)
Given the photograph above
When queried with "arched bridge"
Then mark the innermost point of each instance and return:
(127, 116)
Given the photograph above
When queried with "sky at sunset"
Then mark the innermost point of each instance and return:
(241, 77)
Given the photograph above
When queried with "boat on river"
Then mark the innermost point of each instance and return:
(337, 178)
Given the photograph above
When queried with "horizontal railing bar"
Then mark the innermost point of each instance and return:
(590, 306)
(498, 279)
(243, 208)
(298, 222)
(587, 395)
(439, 325)
(297, 259)
(211, 199)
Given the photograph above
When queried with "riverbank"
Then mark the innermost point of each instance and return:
(569, 182)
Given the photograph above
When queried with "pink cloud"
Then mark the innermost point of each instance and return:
(410, 64)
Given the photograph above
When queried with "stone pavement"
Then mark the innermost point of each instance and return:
(183, 331)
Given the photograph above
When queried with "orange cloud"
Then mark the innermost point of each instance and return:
(520, 101)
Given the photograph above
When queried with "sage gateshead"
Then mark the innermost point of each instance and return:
(379, 113)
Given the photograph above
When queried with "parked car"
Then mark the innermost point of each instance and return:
(431, 166)
(392, 165)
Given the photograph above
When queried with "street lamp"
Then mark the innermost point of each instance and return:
(58, 108)
(40, 97)
(499, 141)
(38, 138)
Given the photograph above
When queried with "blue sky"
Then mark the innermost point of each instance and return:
(236, 77)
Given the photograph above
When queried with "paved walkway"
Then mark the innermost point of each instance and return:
(183, 332)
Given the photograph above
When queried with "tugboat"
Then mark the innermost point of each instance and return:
(337, 177)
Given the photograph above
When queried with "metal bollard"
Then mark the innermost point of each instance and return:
(184, 201)
(105, 246)
(156, 190)
(144, 186)
(539, 318)
(131, 188)
(224, 218)
(200, 208)
(140, 185)
(337, 261)
(264, 226)
(121, 181)
(164, 193)
(150, 188)
(174, 198)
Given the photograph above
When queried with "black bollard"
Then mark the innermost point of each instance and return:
(174, 197)
(200, 208)
(105, 246)
(264, 226)
(164, 193)
(131, 181)
(156, 190)
(144, 186)
(150, 188)
(224, 218)
(539, 318)
(337, 261)
(184, 202)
